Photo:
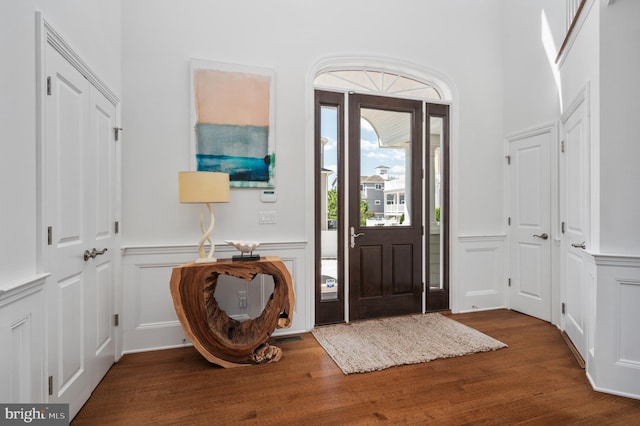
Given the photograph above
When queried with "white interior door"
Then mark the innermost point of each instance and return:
(530, 215)
(79, 191)
(102, 188)
(575, 204)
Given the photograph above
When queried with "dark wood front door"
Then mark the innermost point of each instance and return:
(385, 206)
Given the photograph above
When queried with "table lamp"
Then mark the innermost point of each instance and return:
(204, 187)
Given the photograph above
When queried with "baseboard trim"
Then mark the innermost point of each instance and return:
(573, 350)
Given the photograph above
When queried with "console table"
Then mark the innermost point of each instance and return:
(221, 339)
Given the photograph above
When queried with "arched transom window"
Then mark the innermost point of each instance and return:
(376, 82)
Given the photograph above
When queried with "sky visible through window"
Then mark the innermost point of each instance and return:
(372, 155)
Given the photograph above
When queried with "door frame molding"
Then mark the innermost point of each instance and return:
(450, 94)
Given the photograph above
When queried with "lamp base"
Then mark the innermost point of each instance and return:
(206, 260)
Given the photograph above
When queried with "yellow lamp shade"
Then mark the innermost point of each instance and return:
(203, 187)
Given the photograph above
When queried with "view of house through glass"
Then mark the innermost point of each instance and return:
(436, 212)
(329, 203)
(385, 164)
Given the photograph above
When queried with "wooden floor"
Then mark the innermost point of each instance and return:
(534, 381)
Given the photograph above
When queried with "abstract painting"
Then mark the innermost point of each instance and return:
(232, 117)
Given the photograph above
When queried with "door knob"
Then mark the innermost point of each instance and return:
(88, 255)
(543, 236)
(581, 245)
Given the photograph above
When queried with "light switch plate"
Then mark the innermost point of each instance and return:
(267, 217)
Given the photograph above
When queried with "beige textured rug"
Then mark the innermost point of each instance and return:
(360, 347)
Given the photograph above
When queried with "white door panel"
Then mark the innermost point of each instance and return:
(530, 215)
(71, 354)
(574, 317)
(103, 189)
(575, 207)
(529, 278)
(103, 123)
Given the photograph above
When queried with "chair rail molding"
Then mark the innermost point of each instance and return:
(16, 290)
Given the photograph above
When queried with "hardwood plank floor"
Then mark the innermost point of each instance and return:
(534, 381)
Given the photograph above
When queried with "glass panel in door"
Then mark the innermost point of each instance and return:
(435, 201)
(329, 203)
(329, 235)
(385, 168)
(436, 208)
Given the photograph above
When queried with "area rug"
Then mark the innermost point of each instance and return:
(360, 347)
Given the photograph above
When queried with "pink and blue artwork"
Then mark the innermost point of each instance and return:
(233, 123)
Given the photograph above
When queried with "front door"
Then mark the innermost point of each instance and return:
(530, 223)
(385, 206)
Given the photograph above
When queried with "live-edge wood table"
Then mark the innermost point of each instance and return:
(221, 339)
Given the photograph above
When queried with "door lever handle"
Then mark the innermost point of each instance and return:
(581, 245)
(354, 236)
(93, 253)
(543, 236)
(99, 252)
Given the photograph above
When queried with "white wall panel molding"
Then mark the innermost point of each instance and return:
(22, 331)
(614, 362)
(149, 319)
(481, 273)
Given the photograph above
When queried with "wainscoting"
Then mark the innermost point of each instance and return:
(480, 273)
(23, 337)
(613, 363)
(149, 318)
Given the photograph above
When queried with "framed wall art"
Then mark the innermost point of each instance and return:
(232, 119)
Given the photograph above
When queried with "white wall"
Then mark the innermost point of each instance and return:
(619, 127)
(96, 37)
(159, 37)
(531, 97)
